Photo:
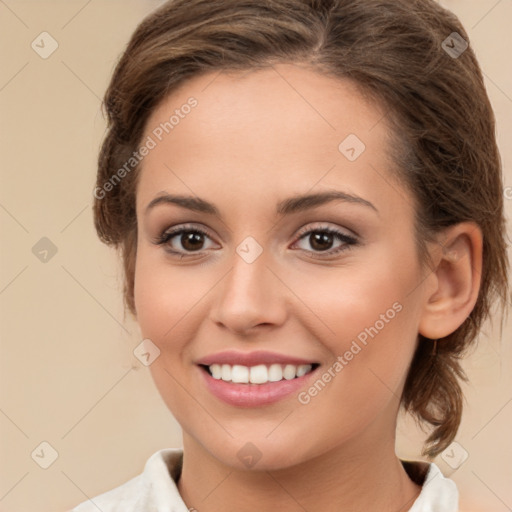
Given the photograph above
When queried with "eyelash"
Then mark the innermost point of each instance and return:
(166, 236)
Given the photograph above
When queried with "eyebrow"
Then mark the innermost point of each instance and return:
(288, 206)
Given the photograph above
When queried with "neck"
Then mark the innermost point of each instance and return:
(350, 477)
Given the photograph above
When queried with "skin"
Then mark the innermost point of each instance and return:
(253, 140)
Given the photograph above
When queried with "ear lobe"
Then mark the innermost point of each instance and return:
(458, 272)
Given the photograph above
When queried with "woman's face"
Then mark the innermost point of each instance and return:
(334, 284)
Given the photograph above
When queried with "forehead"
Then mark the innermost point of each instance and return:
(288, 96)
(265, 132)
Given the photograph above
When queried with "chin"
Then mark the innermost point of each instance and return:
(257, 455)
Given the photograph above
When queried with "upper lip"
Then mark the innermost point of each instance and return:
(251, 358)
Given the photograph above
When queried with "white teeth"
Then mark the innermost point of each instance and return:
(275, 373)
(240, 374)
(259, 374)
(216, 370)
(289, 372)
(225, 372)
(303, 369)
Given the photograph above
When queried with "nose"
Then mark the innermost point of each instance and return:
(251, 295)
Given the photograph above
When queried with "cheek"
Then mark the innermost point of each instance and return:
(150, 300)
(164, 302)
(368, 317)
(162, 295)
(348, 302)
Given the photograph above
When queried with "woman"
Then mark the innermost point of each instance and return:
(307, 197)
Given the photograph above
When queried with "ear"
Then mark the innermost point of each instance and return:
(453, 286)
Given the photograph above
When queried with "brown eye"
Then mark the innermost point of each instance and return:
(191, 240)
(321, 240)
(183, 240)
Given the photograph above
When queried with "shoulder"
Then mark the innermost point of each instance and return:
(438, 492)
(125, 495)
(153, 489)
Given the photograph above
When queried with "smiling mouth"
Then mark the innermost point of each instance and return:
(259, 374)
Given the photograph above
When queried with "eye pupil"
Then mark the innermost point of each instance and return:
(320, 238)
(194, 238)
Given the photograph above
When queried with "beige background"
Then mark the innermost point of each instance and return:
(67, 372)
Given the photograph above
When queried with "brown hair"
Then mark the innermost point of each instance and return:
(442, 120)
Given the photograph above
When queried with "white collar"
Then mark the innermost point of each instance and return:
(155, 489)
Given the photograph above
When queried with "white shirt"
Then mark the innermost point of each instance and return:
(155, 489)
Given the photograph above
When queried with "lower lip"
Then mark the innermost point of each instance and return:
(253, 395)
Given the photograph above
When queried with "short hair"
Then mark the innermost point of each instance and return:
(397, 53)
